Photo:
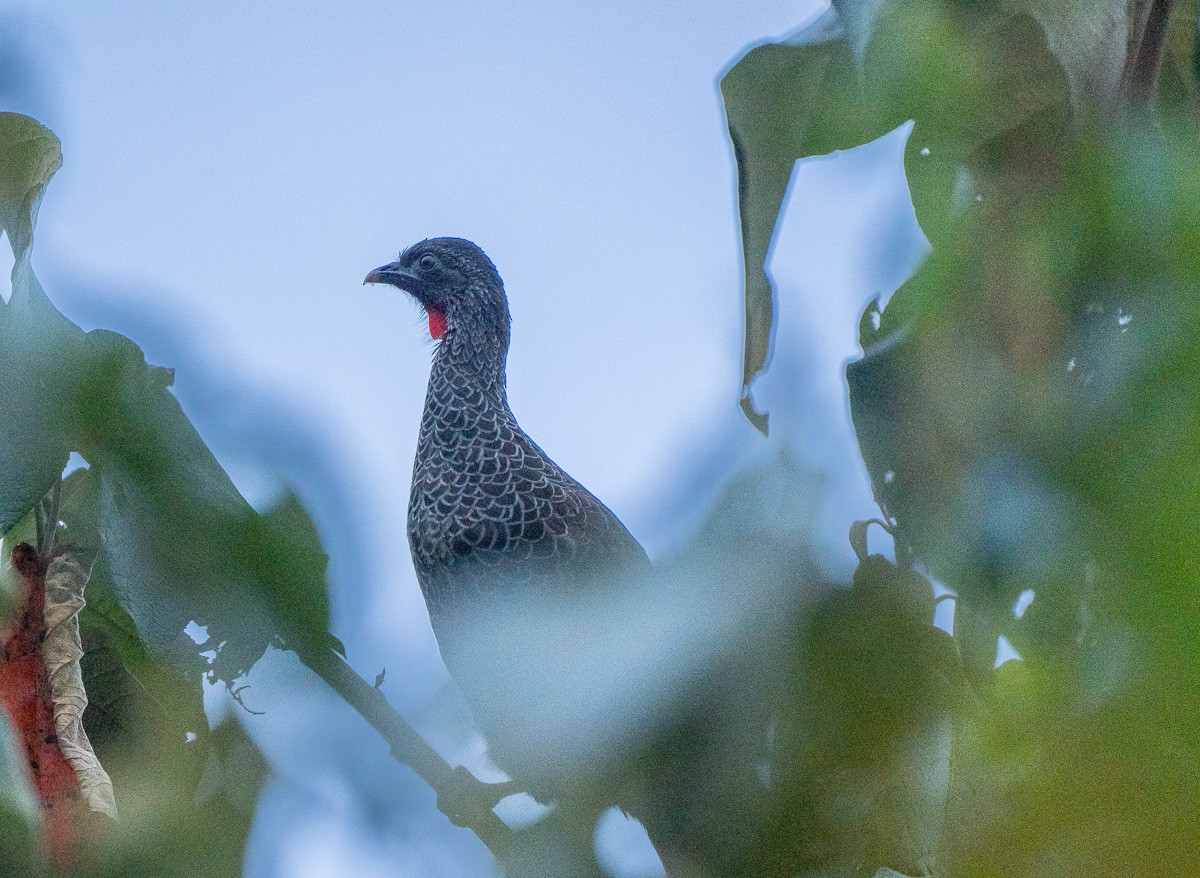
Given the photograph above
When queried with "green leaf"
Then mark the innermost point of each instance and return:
(130, 694)
(187, 817)
(1179, 73)
(290, 565)
(771, 97)
(37, 344)
(31, 156)
(1037, 414)
(181, 543)
(987, 95)
(169, 552)
(175, 543)
(186, 795)
(863, 733)
(234, 774)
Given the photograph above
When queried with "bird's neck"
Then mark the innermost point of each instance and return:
(477, 381)
(468, 374)
(474, 348)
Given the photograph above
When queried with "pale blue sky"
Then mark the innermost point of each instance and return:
(232, 171)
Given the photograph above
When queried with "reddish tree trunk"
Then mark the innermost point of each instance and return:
(25, 694)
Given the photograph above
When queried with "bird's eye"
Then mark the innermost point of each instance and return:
(427, 262)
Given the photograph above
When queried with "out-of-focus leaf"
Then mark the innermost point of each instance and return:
(858, 17)
(37, 344)
(874, 687)
(1177, 84)
(1031, 424)
(129, 693)
(24, 531)
(20, 814)
(1027, 409)
(181, 543)
(289, 563)
(29, 699)
(1042, 780)
(1161, 67)
(189, 818)
(1090, 39)
(173, 542)
(185, 795)
(79, 511)
(877, 406)
(988, 96)
(859, 531)
(235, 772)
(770, 96)
(173, 778)
(170, 518)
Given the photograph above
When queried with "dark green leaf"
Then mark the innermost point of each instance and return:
(181, 543)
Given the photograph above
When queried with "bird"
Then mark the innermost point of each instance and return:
(490, 516)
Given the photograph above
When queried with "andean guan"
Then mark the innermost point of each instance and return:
(490, 514)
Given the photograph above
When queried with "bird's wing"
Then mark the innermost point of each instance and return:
(524, 522)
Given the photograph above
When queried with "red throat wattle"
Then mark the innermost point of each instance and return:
(437, 322)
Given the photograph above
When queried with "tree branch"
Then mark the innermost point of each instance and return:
(462, 797)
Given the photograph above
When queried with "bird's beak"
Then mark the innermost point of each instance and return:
(391, 273)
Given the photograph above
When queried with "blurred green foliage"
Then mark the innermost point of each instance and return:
(1027, 409)
(169, 541)
(20, 820)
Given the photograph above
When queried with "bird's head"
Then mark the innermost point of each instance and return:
(456, 284)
